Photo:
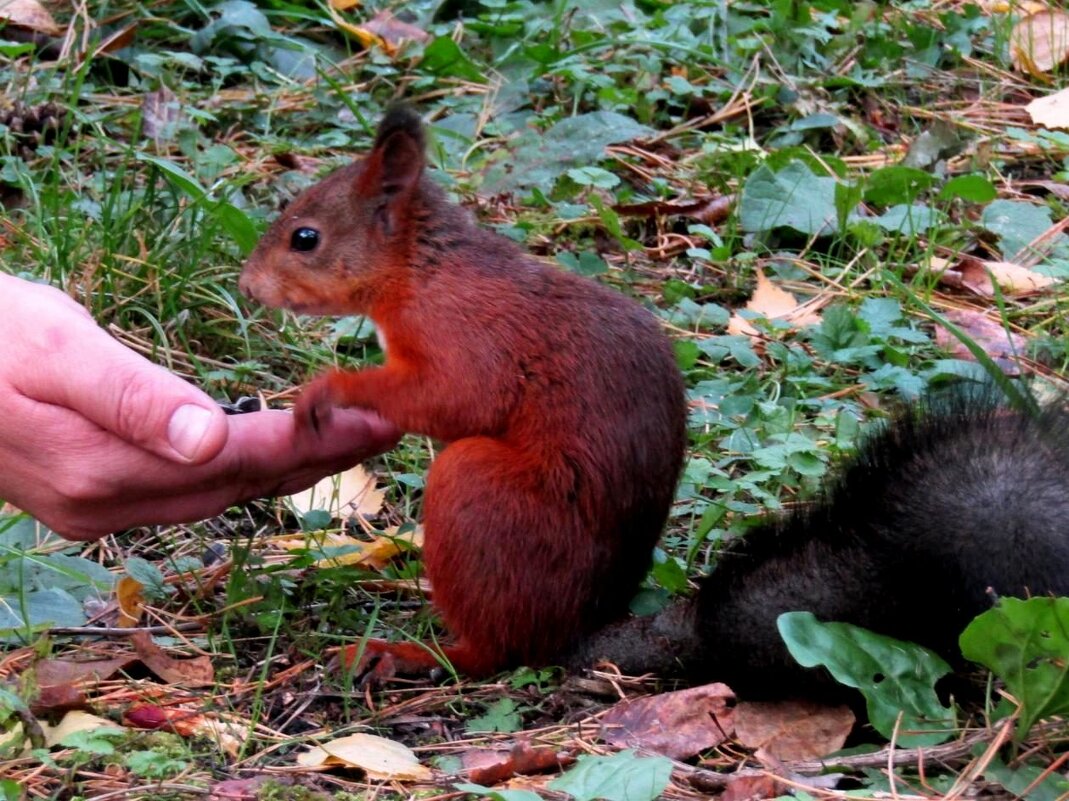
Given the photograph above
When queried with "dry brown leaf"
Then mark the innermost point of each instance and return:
(488, 767)
(131, 597)
(1051, 111)
(348, 494)
(196, 671)
(57, 672)
(752, 788)
(379, 758)
(678, 724)
(1003, 346)
(29, 14)
(792, 730)
(393, 30)
(1040, 42)
(709, 209)
(774, 303)
(1013, 279)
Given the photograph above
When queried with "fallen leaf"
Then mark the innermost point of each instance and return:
(251, 789)
(56, 672)
(57, 698)
(161, 112)
(709, 209)
(1040, 42)
(1012, 278)
(792, 730)
(379, 758)
(752, 788)
(1003, 346)
(196, 671)
(29, 14)
(1051, 111)
(352, 493)
(393, 30)
(295, 161)
(488, 766)
(770, 301)
(677, 724)
(130, 594)
(75, 721)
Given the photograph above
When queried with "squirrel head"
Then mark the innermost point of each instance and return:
(345, 240)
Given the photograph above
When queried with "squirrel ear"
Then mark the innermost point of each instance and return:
(396, 161)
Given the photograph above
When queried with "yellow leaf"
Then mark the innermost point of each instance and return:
(342, 5)
(1040, 42)
(1051, 111)
(378, 757)
(1012, 278)
(366, 38)
(75, 721)
(131, 597)
(774, 303)
(347, 494)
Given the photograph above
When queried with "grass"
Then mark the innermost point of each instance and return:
(144, 201)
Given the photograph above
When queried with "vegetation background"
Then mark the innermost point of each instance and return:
(806, 193)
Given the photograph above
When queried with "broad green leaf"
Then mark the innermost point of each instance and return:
(620, 777)
(1039, 782)
(43, 609)
(792, 198)
(909, 220)
(1025, 643)
(443, 56)
(1017, 224)
(539, 159)
(497, 795)
(898, 185)
(179, 178)
(897, 678)
(974, 188)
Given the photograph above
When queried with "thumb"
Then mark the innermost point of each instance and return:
(91, 373)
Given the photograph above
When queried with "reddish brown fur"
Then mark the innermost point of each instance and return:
(559, 399)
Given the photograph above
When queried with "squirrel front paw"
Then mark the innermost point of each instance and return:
(315, 404)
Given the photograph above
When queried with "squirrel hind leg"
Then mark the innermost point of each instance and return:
(516, 576)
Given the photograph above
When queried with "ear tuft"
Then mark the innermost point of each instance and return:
(401, 118)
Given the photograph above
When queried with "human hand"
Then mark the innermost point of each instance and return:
(95, 439)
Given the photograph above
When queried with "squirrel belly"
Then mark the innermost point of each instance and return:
(559, 401)
(951, 500)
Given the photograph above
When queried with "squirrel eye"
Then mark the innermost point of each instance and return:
(304, 239)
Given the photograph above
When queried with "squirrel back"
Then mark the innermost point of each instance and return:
(955, 497)
(559, 400)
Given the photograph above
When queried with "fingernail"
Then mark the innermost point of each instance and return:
(187, 428)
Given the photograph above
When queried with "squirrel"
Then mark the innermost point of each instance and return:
(559, 401)
(564, 418)
(956, 499)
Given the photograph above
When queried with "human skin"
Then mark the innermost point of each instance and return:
(95, 439)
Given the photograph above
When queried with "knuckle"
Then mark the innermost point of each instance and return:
(134, 409)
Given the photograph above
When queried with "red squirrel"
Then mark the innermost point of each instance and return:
(559, 401)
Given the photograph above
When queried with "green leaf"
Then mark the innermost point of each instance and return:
(1017, 224)
(974, 188)
(498, 795)
(897, 678)
(620, 777)
(792, 198)
(42, 609)
(540, 158)
(443, 56)
(892, 186)
(1038, 781)
(94, 741)
(501, 716)
(909, 220)
(179, 178)
(148, 575)
(1025, 643)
